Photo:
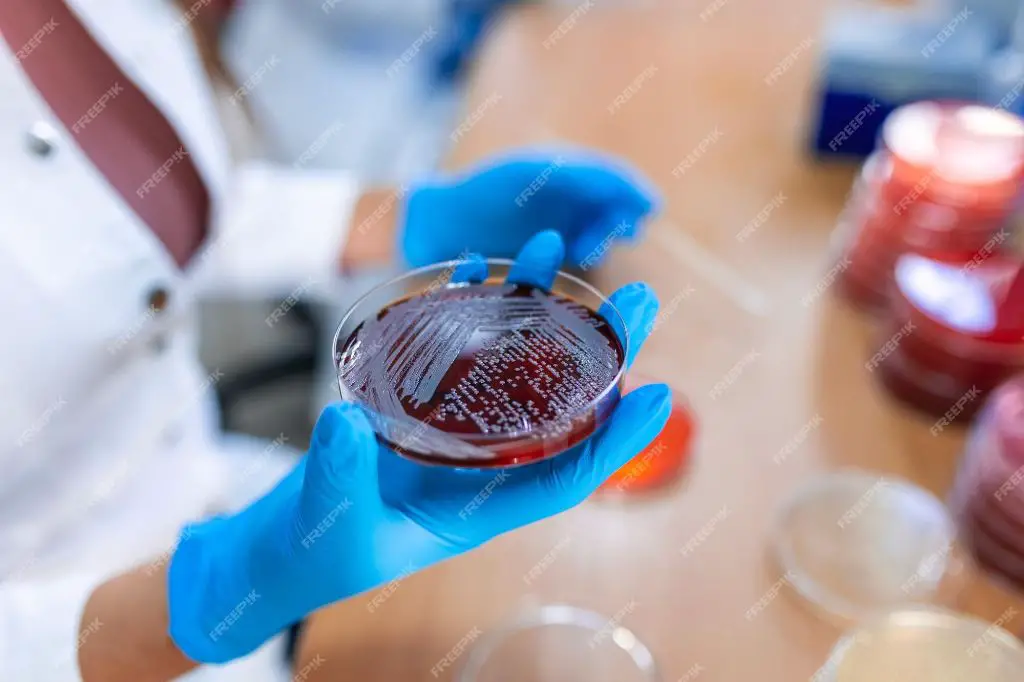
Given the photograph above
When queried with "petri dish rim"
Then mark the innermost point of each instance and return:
(504, 264)
(830, 671)
(556, 615)
(806, 586)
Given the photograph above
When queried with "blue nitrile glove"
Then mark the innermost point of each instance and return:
(353, 515)
(591, 200)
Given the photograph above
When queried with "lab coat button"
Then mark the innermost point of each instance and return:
(41, 139)
(158, 344)
(158, 299)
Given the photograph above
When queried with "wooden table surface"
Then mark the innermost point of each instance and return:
(769, 366)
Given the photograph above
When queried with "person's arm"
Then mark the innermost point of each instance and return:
(131, 641)
(78, 628)
(281, 228)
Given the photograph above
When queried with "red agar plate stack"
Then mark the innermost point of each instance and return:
(988, 496)
(952, 334)
(944, 184)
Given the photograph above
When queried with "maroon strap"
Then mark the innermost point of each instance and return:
(113, 122)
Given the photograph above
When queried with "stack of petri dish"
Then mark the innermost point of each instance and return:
(952, 333)
(988, 497)
(943, 184)
(881, 557)
(664, 461)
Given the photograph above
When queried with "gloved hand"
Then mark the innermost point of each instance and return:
(353, 515)
(494, 209)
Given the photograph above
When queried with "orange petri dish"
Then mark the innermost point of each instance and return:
(663, 461)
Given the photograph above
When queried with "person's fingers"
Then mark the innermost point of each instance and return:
(638, 305)
(341, 466)
(589, 248)
(610, 180)
(472, 270)
(636, 422)
(539, 260)
(602, 178)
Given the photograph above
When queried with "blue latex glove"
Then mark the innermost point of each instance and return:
(494, 209)
(353, 515)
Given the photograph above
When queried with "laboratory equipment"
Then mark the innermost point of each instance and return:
(662, 462)
(945, 184)
(877, 58)
(1001, 15)
(954, 332)
(987, 497)
(482, 373)
(559, 642)
(1003, 82)
(856, 544)
(924, 644)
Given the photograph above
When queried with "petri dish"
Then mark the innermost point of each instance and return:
(663, 462)
(559, 642)
(925, 643)
(455, 365)
(957, 338)
(987, 498)
(855, 544)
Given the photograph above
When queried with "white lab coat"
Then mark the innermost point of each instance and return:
(108, 441)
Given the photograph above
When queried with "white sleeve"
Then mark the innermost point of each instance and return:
(276, 229)
(41, 629)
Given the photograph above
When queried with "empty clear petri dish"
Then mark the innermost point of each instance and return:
(454, 364)
(856, 544)
(925, 643)
(558, 642)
